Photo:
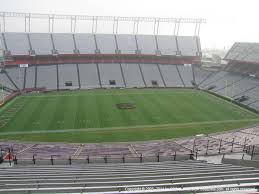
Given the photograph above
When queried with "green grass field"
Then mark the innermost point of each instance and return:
(92, 116)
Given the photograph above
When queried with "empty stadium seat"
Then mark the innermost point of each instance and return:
(184, 176)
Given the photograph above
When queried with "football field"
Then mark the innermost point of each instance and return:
(115, 115)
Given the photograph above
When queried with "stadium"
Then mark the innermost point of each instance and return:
(90, 112)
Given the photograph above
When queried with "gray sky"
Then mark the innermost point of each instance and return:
(227, 20)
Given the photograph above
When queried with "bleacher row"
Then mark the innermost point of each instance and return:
(63, 44)
(85, 76)
(163, 177)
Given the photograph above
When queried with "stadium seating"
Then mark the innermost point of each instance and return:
(5, 81)
(171, 76)
(186, 74)
(86, 76)
(227, 82)
(17, 76)
(41, 43)
(63, 43)
(167, 45)
(85, 43)
(184, 177)
(188, 45)
(152, 75)
(106, 43)
(146, 44)
(201, 75)
(242, 87)
(133, 75)
(17, 43)
(111, 75)
(89, 76)
(47, 77)
(126, 43)
(213, 79)
(234, 85)
(30, 77)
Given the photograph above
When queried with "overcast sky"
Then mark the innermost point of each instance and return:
(227, 20)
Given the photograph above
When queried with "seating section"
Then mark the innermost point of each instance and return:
(201, 74)
(126, 43)
(47, 77)
(146, 44)
(30, 77)
(111, 75)
(41, 43)
(106, 43)
(17, 76)
(171, 76)
(5, 81)
(187, 176)
(89, 76)
(233, 85)
(17, 43)
(152, 75)
(67, 43)
(187, 75)
(227, 84)
(167, 45)
(213, 79)
(63, 43)
(253, 96)
(244, 86)
(85, 43)
(187, 45)
(132, 75)
(68, 77)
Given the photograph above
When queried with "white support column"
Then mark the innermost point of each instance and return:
(115, 25)
(73, 24)
(156, 27)
(135, 26)
(27, 20)
(177, 27)
(94, 24)
(51, 23)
